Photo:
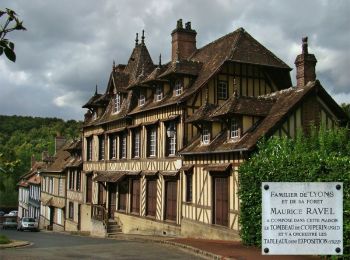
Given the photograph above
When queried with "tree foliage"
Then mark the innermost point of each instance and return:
(322, 157)
(9, 22)
(20, 138)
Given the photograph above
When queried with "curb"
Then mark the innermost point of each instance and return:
(14, 244)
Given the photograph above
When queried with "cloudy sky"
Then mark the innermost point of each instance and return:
(70, 46)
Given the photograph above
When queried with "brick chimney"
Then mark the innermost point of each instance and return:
(183, 41)
(59, 142)
(306, 65)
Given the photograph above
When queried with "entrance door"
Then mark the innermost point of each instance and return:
(171, 200)
(221, 201)
(79, 216)
(135, 196)
(52, 214)
(112, 201)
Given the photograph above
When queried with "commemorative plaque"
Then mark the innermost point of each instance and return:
(302, 218)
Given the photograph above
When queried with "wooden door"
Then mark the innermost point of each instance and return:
(135, 198)
(52, 215)
(221, 201)
(79, 216)
(171, 200)
(123, 191)
(112, 200)
(89, 188)
(100, 197)
(151, 198)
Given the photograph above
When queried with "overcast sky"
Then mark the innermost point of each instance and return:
(70, 46)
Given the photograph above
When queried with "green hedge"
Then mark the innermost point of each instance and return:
(4, 239)
(324, 156)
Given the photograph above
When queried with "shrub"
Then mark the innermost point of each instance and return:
(4, 239)
(324, 156)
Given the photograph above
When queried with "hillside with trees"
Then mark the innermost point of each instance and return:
(20, 138)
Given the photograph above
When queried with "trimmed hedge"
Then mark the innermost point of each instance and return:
(324, 156)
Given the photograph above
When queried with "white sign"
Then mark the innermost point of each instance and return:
(302, 218)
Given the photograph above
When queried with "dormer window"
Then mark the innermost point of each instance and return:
(234, 129)
(117, 103)
(142, 98)
(158, 96)
(178, 87)
(205, 134)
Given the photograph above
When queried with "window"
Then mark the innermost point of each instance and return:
(112, 146)
(89, 148)
(89, 188)
(117, 103)
(222, 90)
(71, 180)
(71, 210)
(158, 94)
(152, 137)
(136, 143)
(123, 148)
(178, 87)
(189, 175)
(171, 139)
(151, 197)
(60, 187)
(78, 180)
(59, 216)
(205, 134)
(234, 128)
(142, 98)
(101, 147)
(135, 196)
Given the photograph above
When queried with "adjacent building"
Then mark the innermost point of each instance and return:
(163, 144)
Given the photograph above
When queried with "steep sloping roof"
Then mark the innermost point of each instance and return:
(285, 102)
(202, 114)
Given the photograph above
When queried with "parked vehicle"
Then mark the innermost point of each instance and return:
(2, 213)
(9, 223)
(13, 213)
(28, 224)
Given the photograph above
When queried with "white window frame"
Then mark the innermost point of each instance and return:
(142, 98)
(222, 90)
(158, 93)
(117, 103)
(205, 134)
(153, 142)
(234, 129)
(137, 136)
(178, 87)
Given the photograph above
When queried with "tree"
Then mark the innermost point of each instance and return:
(346, 108)
(10, 23)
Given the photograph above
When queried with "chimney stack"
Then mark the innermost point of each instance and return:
(306, 65)
(59, 142)
(183, 41)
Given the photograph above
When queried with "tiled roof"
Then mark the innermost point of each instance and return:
(184, 67)
(242, 105)
(202, 114)
(285, 101)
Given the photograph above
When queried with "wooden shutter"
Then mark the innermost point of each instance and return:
(171, 200)
(135, 200)
(151, 197)
(221, 201)
(89, 188)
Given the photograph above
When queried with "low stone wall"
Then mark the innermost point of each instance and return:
(85, 224)
(194, 229)
(138, 225)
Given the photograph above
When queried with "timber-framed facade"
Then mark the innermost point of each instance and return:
(163, 144)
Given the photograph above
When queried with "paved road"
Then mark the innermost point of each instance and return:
(47, 245)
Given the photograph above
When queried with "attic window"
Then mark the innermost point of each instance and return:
(178, 87)
(158, 96)
(117, 103)
(142, 98)
(222, 90)
(234, 129)
(206, 134)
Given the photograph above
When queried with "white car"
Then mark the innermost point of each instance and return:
(13, 213)
(28, 224)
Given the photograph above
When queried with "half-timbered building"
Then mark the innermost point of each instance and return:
(162, 145)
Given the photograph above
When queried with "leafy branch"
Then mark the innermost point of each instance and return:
(11, 23)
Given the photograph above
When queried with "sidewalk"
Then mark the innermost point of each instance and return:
(230, 250)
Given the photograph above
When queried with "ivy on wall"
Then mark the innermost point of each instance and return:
(324, 156)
